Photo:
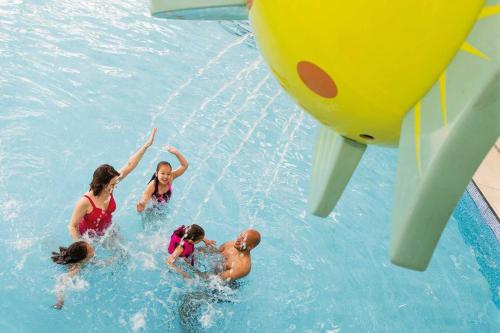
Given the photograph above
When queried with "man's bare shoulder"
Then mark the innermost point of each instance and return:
(226, 245)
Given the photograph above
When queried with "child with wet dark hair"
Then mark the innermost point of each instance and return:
(159, 188)
(74, 256)
(182, 244)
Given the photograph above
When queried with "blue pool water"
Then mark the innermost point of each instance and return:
(82, 83)
(483, 242)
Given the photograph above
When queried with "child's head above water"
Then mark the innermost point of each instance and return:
(193, 233)
(77, 252)
(163, 172)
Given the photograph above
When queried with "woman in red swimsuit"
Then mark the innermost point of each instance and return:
(92, 213)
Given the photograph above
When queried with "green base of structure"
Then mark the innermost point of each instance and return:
(334, 162)
(430, 181)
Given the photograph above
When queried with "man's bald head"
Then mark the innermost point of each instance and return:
(247, 240)
(253, 238)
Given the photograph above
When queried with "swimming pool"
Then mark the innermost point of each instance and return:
(82, 83)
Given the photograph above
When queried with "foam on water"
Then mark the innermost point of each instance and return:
(10, 209)
(138, 321)
(209, 316)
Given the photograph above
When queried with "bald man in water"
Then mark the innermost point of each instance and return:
(237, 264)
(237, 259)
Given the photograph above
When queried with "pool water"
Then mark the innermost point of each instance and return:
(83, 83)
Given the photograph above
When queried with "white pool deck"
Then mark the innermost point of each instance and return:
(487, 178)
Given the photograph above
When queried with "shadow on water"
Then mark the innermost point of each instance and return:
(198, 309)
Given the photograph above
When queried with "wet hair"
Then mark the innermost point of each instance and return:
(76, 252)
(102, 176)
(155, 177)
(192, 232)
(158, 166)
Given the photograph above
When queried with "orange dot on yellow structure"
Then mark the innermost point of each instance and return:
(317, 79)
(249, 4)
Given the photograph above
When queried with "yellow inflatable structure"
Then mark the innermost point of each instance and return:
(421, 75)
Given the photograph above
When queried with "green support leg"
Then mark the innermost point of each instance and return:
(334, 162)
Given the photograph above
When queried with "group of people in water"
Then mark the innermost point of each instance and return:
(92, 217)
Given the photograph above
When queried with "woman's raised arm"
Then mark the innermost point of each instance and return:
(136, 157)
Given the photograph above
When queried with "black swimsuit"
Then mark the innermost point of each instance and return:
(165, 197)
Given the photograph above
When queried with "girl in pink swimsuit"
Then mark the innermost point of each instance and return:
(159, 187)
(182, 244)
(92, 214)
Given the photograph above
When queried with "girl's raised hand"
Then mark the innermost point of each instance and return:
(170, 149)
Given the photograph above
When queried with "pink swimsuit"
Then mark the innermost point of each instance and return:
(176, 240)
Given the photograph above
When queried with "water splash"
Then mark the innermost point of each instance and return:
(138, 321)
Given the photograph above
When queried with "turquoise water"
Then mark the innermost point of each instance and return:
(486, 247)
(82, 83)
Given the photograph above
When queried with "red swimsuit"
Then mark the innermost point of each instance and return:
(97, 221)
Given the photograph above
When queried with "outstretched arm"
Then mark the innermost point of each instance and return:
(136, 157)
(62, 286)
(171, 261)
(182, 160)
(208, 249)
(146, 196)
(209, 243)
